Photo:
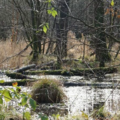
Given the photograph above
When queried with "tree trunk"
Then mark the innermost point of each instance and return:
(34, 36)
(62, 25)
(102, 53)
(36, 22)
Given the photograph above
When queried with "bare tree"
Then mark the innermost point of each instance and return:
(102, 53)
(33, 17)
(62, 29)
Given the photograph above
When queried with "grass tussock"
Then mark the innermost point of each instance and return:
(48, 91)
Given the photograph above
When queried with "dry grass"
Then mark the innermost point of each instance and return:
(76, 49)
(8, 49)
(47, 91)
(9, 113)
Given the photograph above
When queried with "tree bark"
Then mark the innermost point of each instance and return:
(102, 53)
(62, 25)
(34, 37)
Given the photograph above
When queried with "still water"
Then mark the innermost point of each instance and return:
(86, 98)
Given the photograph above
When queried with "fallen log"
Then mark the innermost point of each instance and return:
(17, 74)
(29, 82)
(22, 69)
(74, 72)
(20, 82)
(14, 75)
(95, 85)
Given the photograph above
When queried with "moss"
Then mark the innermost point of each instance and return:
(48, 72)
(66, 72)
(80, 61)
(15, 75)
(81, 72)
(20, 82)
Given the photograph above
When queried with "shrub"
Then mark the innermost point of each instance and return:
(48, 91)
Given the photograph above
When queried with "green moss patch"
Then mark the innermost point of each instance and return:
(80, 72)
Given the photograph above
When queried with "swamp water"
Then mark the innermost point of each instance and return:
(86, 98)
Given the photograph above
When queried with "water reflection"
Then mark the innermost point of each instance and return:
(87, 98)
